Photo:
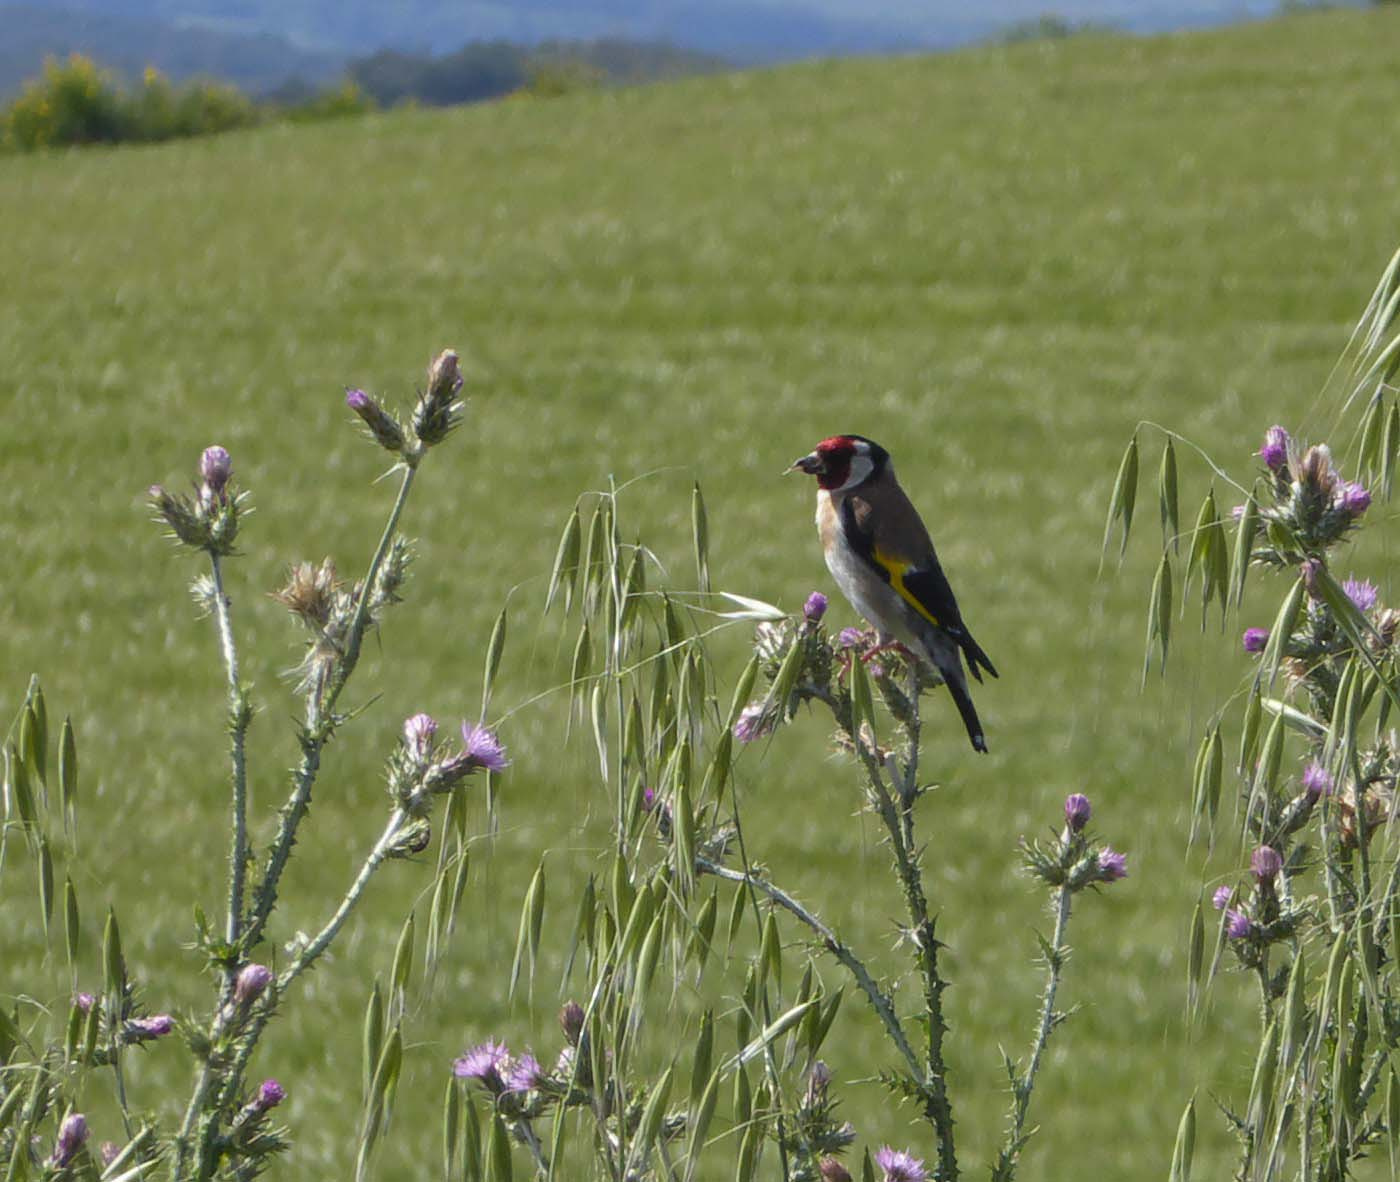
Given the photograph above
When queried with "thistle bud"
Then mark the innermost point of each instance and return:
(140, 1030)
(571, 1022)
(833, 1171)
(270, 1094)
(1316, 471)
(381, 424)
(438, 410)
(1255, 640)
(1353, 499)
(1265, 864)
(1112, 865)
(215, 467)
(1317, 781)
(72, 1136)
(1274, 451)
(1077, 811)
(251, 983)
(815, 607)
(418, 733)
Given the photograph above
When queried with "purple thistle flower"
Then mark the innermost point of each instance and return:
(418, 733)
(1238, 925)
(250, 983)
(524, 1073)
(1353, 499)
(1317, 780)
(1274, 451)
(1112, 865)
(1255, 639)
(1362, 593)
(270, 1094)
(876, 670)
(1221, 899)
(72, 1135)
(215, 467)
(1077, 811)
(484, 1063)
(142, 1029)
(752, 723)
(84, 1001)
(1265, 864)
(899, 1166)
(648, 799)
(815, 607)
(571, 1019)
(850, 638)
(482, 748)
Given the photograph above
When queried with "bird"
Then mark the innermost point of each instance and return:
(880, 554)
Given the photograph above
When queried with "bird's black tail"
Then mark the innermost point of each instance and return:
(975, 656)
(957, 688)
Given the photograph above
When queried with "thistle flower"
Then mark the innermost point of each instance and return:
(381, 424)
(1353, 499)
(215, 467)
(1317, 780)
(753, 723)
(72, 1136)
(1221, 899)
(1112, 865)
(1265, 864)
(818, 1081)
(270, 1094)
(899, 1166)
(482, 747)
(815, 607)
(84, 1001)
(1238, 926)
(484, 1063)
(418, 732)
(832, 1170)
(1255, 639)
(1274, 451)
(109, 1151)
(850, 638)
(143, 1029)
(1077, 811)
(1362, 593)
(524, 1073)
(251, 982)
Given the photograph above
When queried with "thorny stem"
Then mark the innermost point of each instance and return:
(1022, 1088)
(239, 716)
(320, 724)
(879, 1001)
(526, 1136)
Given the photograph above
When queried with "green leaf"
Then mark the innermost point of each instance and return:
(565, 570)
(45, 881)
(372, 1036)
(1390, 452)
(71, 928)
(1245, 531)
(527, 940)
(1167, 498)
(700, 534)
(1124, 497)
(703, 935)
(1196, 955)
(1249, 730)
(1185, 1148)
(1276, 648)
(494, 649)
(403, 957)
(114, 964)
(1295, 1012)
(700, 1124)
(700, 1078)
(68, 768)
(774, 1030)
(498, 1163)
(451, 1126)
(862, 700)
(1159, 615)
(650, 1125)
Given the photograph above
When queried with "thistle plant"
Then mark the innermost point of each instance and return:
(227, 1127)
(679, 895)
(1310, 913)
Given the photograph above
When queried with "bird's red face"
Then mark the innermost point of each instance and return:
(842, 462)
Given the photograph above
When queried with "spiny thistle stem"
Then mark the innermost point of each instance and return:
(1023, 1087)
(239, 716)
(320, 724)
(879, 1002)
(321, 941)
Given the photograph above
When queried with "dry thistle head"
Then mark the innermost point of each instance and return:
(310, 593)
(438, 410)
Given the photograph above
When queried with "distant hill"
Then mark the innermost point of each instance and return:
(255, 62)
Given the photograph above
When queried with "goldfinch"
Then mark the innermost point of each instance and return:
(880, 555)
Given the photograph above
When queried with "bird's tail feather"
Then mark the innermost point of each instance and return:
(963, 701)
(975, 657)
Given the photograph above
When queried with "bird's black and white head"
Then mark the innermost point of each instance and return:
(844, 462)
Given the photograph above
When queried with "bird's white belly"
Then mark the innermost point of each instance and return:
(871, 596)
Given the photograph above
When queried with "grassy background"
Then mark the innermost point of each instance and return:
(995, 262)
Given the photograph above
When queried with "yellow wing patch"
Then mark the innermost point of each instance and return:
(896, 568)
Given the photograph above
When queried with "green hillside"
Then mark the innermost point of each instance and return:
(994, 262)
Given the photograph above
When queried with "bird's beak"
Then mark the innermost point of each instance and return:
(811, 464)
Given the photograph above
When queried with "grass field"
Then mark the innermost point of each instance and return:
(995, 262)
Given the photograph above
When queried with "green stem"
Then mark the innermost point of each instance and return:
(319, 725)
(239, 717)
(1022, 1088)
